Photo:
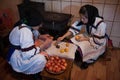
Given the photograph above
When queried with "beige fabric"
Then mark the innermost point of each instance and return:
(56, 51)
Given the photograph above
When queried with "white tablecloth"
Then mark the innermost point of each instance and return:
(56, 51)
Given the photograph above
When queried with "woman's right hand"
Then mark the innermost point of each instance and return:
(64, 36)
(44, 53)
(46, 44)
(60, 39)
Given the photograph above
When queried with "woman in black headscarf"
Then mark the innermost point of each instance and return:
(91, 44)
(26, 52)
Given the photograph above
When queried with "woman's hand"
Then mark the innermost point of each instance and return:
(64, 36)
(84, 39)
(81, 38)
(46, 44)
(38, 42)
(60, 39)
(45, 36)
(44, 53)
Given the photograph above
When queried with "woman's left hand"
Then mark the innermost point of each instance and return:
(38, 42)
(45, 36)
(84, 39)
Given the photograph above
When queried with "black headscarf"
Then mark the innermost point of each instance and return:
(32, 18)
(91, 12)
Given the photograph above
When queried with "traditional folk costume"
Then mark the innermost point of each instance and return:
(25, 56)
(96, 46)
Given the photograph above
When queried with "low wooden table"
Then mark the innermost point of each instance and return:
(63, 76)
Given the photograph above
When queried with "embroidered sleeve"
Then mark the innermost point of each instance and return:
(75, 29)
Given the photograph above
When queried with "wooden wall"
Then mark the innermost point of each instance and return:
(12, 6)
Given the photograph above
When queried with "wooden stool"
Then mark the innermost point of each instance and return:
(63, 76)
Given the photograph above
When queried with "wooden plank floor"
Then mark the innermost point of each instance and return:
(107, 67)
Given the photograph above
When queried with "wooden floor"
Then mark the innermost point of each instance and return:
(106, 68)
